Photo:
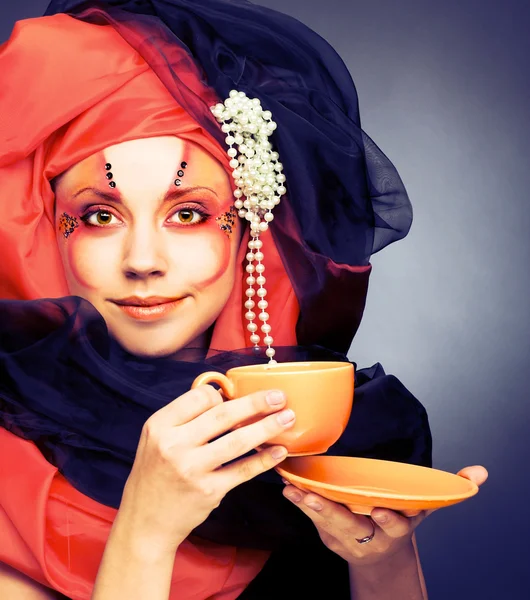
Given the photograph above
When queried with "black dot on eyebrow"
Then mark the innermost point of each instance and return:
(112, 184)
(183, 164)
(108, 166)
(180, 173)
(108, 175)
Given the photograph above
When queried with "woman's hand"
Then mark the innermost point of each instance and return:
(180, 473)
(340, 529)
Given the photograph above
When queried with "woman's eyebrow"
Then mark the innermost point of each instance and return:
(173, 194)
(170, 195)
(99, 193)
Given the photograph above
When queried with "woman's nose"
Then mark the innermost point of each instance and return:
(144, 255)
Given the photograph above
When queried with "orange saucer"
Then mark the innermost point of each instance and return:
(365, 483)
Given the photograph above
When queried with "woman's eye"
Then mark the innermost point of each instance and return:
(100, 217)
(187, 216)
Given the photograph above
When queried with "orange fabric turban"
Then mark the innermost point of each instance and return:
(70, 89)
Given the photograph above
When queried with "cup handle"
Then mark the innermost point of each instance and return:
(213, 377)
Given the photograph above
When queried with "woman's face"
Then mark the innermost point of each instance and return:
(155, 254)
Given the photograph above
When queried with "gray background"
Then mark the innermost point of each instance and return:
(444, 91)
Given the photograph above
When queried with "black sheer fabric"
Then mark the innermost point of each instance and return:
(345, 199)
(69, 387)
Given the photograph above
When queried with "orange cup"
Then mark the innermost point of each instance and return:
(320, 394)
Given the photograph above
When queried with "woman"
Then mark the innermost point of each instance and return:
(125, 266)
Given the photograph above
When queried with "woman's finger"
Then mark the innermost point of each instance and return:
(329, 517)
(477, 474)
(244, 439)
(249, 467)
(395, 525)
(234, 413)
(187, 407)
(409, 512)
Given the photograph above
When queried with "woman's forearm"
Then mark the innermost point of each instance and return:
(17, 586)
(133, 568)
(420, 570)
(397, 578)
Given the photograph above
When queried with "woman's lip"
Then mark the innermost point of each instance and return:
(149, 301)
(149, 313)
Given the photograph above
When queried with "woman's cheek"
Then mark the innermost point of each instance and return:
(90, 262)
(209, 254)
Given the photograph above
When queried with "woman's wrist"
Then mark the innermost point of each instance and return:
(134, 565)
(140, 543)
(394, 577)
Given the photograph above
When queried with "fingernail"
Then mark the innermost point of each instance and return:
(315, 505)
(279, 452)
(285, 417)
(285, 481)
(380, 518)
(275, 397)
(295, 496)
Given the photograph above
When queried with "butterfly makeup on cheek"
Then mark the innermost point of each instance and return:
(227, 221)
(67, 224)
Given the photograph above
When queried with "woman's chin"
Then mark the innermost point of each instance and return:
(151, 346)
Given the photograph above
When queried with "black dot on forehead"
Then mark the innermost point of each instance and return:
(108, 166)
(177, 182)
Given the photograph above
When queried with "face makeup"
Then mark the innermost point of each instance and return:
(67, 224)
(227, 221)
(109, 175)
(151, 256)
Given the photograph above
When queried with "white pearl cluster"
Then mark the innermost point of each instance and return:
(259, 181)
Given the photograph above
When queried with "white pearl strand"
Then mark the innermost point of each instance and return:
(258, 176)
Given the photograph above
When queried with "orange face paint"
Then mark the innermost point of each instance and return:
(150, 255)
